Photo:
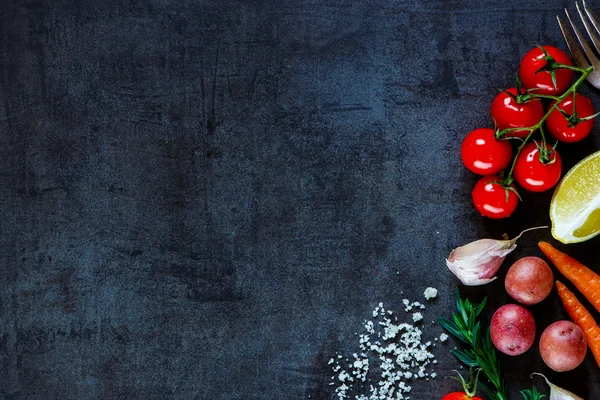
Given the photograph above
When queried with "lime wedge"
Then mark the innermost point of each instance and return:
(575, 205)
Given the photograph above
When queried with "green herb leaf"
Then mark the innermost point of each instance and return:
(452, 329)
(532, 394)
(479, 351)
(465, 358)
(480, 307)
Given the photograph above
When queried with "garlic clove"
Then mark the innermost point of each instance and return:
(477, 262)
(558, 393)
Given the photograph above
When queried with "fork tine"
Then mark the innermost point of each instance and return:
(586, 47)
(589, 30)
(593, 17)
(578, 57)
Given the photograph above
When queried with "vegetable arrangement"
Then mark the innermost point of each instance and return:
(517, 155)
(563, 344)
(541, 101)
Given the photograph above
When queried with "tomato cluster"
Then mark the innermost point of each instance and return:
(543, 100)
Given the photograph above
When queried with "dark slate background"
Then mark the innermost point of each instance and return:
(205, 199)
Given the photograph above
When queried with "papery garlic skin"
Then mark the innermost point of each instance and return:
(557, 393)
(476, 263)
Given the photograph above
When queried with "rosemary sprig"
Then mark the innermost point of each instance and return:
(532, 394)
(479, 351)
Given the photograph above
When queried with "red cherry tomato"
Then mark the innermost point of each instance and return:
(559, 126)
(483, 154)
(533, 174)
(508, 113)
(542, 81)
(460, 396)
(490, 198)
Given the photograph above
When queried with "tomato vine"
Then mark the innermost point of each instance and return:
(556, 99)
(519, 113)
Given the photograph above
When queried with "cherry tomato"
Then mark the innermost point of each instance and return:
(542, 81)
(561, 128)
(490, 198)
(460, 396)
(483, 154)
(510, 112)
(532, 173)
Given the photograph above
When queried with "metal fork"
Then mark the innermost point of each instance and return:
(589, 19)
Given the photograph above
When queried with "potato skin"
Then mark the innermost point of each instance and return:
(529, 280)
(563, 346)
(512, 329)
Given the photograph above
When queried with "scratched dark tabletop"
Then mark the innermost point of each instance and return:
(206, 199)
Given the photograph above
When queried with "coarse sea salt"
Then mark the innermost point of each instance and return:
(393, 350)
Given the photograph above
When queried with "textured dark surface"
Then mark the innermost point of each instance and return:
(205, 199)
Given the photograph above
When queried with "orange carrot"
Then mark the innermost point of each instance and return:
(584, 279)
(582, 318)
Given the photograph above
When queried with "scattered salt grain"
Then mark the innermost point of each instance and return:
(443, 337)
(430, 293)
(417, 316)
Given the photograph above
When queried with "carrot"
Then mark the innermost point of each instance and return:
(582, 318)
(584, 279)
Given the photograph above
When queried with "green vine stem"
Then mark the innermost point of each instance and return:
(585, 72)
(543, 137)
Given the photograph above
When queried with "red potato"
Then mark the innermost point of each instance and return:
(529, 280)
(512, 329)
(563, 346)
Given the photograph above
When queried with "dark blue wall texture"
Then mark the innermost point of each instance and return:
(206, 199)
